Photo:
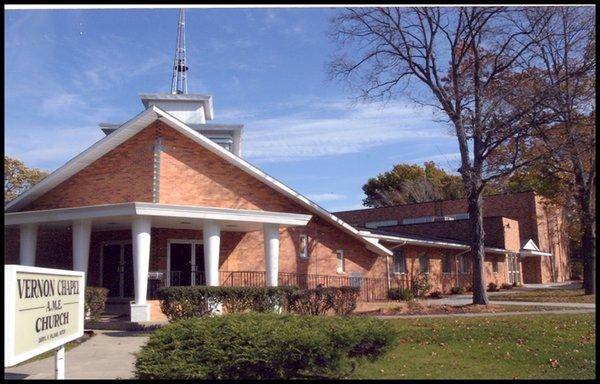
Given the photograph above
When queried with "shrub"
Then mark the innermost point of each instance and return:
(492, 287)
(457, 290)
(196, 301)
(343, 299)
(506, 286)
(95, 300)
(262, 346)
(402, 294)
(318, 301)
(436, 295)
(420, 284)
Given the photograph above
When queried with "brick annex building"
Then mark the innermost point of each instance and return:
(525, 223)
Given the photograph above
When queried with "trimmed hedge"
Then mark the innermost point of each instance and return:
(197, 301)
(402, 294)
(318, 301)
(458, 290)
(492, 287)
(95, 300)
(262, 346)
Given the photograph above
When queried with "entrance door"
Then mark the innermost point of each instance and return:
(181, 264)
(117, 270)
(111, 269)
(514, 272)
(186, 262)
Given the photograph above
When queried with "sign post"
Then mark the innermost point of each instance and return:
(43, 310)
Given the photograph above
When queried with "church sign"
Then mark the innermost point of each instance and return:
(43, 310)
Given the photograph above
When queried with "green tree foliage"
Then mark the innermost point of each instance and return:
(411, 183)
(18, 177)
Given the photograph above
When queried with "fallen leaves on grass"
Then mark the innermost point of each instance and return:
(553, 363)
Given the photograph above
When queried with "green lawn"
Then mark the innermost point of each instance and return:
(548, 295)
(489, 348)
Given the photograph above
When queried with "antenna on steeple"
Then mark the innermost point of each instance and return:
(179, 82)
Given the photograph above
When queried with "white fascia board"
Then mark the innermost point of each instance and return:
(85, 158)
(67, 214)
(152, 209)
(221, 214)
(270, 181)
(529, 253)
(429, 243)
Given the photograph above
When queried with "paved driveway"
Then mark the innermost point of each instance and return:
(107, 355)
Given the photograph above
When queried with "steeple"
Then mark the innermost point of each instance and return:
(179, 82)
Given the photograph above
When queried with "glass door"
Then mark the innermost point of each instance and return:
(111, 269)
(181, 263)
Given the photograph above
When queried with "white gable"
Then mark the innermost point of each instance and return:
(530, 246)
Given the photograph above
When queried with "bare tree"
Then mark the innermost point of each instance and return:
(469, 63)
(568, 56)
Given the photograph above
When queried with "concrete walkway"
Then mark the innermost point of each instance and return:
(557, 311)
(107, 355)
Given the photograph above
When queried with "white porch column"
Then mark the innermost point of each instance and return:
(82, 230)
(271, 235)
(211, 232)
(140, 233)
(28, 233)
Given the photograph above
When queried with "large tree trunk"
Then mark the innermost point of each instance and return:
(588, 244)
(477, 247)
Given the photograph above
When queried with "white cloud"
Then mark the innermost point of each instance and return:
(328, 128)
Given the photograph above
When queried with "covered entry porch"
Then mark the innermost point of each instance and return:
(191, 259)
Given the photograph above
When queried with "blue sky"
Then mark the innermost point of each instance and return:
(68, 70)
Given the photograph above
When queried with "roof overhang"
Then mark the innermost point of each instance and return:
(529, 253)
(144, 119)
(428, 243)
(160, 213)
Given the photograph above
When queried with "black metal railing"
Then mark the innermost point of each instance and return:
(371, 288)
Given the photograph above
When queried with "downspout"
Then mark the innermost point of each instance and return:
(387, 264)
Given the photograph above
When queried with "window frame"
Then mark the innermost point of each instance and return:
(399, 253)
(341, 268)
(448, 258)
(466, 264)
(303, 240)
(422, 256)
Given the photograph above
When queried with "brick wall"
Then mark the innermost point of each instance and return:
(445, 281)
(122, 175)
(500, 232)
(519, 206)
(190, 174)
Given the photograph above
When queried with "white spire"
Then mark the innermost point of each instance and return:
(179, 82)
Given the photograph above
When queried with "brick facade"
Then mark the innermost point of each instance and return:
(537, 220)
(445, 281)
(190, 175)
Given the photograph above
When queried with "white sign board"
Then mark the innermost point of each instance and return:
(43, 309)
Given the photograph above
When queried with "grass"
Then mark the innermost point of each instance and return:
(548, 295)
(416, 308)
(528, 346)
